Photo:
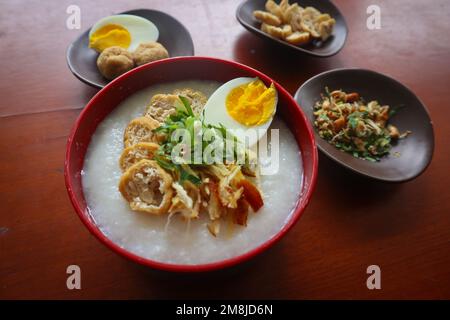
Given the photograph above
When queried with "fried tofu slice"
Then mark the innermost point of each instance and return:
(196, 98)
(136, 153)
(161, 106)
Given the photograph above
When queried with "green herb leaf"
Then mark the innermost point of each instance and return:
(187, 105)
(187, 174)
(167, 165)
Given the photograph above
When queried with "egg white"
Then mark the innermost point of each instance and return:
(140, 29)
(215, 113)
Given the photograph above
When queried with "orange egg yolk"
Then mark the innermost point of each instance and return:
(108, 36)
(252, 104)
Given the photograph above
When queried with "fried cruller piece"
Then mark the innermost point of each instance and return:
(163, 105)
(136, 153)
(140, 130)
(147, 187)
(196, 98)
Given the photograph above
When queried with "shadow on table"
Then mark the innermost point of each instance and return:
(87, 93)
(362, 206)
(261, 275)
(288, 67)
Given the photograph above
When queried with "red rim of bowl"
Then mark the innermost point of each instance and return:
(298, 210)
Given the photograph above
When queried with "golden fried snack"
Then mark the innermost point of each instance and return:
(287, 31)
(308, 17)
(140, 130)
(273, 31)
(290, 11)
(147, 187)
(324, 25)
(274, 9)
(298, 38)
(310, 13)
(114, 61)
(267, 18)
(196, 98)
(296, 21)
(137, 152)
(297, 25)
(284, 5)
(308, 26)
(149, 51)
(161, 106)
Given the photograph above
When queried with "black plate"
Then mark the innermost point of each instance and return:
(415, 151)
(173, 35)
(244, 15)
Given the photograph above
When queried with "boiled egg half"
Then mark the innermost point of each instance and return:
(124, 30)
(245, 106)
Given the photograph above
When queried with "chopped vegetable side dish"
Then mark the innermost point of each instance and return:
(350, 124)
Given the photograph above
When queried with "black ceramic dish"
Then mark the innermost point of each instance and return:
(414, 152)
(173, 35)
(331, 46)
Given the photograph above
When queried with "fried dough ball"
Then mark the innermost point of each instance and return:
(114, 61)
(267, 18)
(140, 130)
(196, 98)
(149, 51)
(147, 187)
(136, 153)
(161, 106)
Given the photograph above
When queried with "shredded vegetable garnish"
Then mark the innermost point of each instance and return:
(223, 189)
(185, 166)
(179, 164)
(350, 124)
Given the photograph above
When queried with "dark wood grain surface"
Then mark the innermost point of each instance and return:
(351, 222)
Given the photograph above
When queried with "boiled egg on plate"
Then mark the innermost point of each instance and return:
(245, 106)
(124, 30)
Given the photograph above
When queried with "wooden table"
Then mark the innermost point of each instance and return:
(351, 222)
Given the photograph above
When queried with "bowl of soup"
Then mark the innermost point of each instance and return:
(132, 185)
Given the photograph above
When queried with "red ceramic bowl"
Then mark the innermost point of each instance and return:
(169, 70)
